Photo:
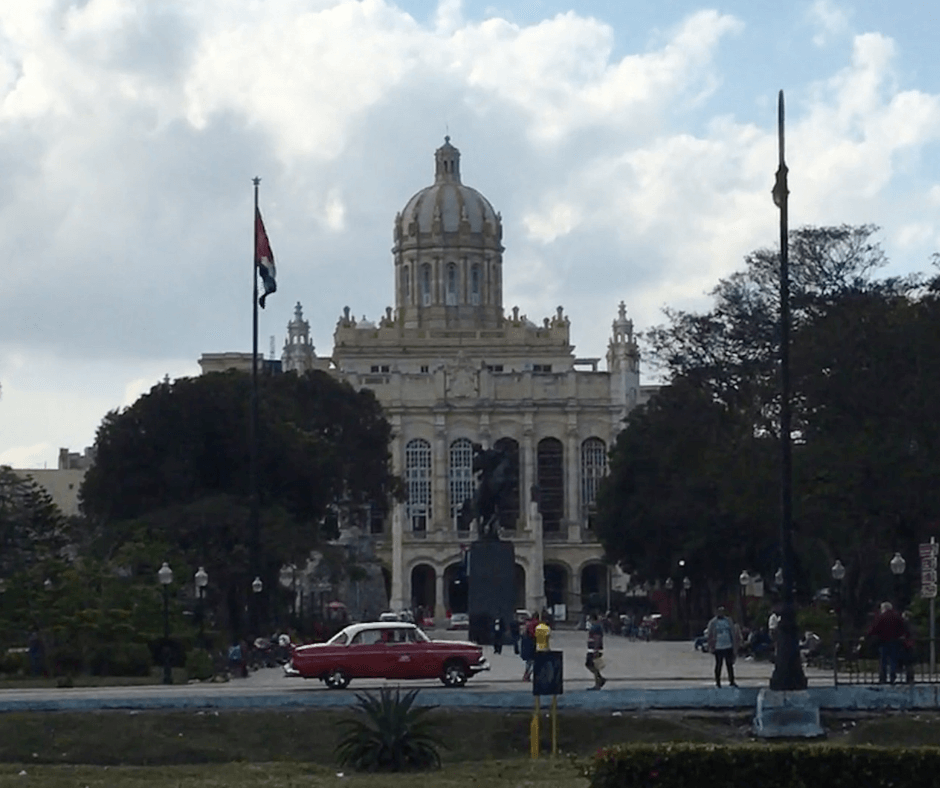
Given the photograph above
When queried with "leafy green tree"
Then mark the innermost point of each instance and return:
(32, 528)
(173, 469)
(697, 468)
(390, 734)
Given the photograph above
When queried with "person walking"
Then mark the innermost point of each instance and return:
(499, 631)
(514, 634)
(888, 630)
(595, 651)
(724, 640)
(528, 646)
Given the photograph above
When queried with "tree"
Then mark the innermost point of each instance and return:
(699, 464)
(32, 528)
(174, 468)
(688, 480)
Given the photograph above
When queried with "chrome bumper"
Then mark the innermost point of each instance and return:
(480, 666)
(290, 671)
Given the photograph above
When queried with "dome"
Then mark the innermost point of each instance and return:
(448, 208)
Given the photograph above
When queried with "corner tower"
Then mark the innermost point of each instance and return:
(448, 253)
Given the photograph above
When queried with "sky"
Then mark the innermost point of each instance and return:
(630, 148)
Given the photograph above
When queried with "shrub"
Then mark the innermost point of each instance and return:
(389, 735)
(14, 663)
(199, 664)
(779, 766)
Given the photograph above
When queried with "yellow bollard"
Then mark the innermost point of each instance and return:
(534, 731)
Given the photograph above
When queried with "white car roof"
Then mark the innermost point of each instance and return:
(352, 629)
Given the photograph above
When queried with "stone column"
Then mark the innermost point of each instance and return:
(440, 494)
(440, 615)
(399, 589)
(535, 576)
(572, 467)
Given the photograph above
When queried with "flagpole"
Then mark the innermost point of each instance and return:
(788, 668)
(254, 541)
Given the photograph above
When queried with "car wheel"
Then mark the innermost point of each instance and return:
(337, 679)
(455, 674)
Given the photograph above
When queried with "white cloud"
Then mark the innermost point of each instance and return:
(129, 132)
(830, 19)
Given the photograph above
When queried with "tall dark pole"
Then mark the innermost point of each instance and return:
(788, 668)
(254, 540)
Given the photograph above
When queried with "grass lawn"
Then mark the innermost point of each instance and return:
(295, 748)
(498, 774)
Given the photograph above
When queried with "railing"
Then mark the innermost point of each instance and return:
(855, 661)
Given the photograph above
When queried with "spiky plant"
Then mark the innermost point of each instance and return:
(389, 734)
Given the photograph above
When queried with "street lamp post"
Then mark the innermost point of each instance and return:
(669, 585)
(202, 580)
(838, 573)
(165, 576)
(256, 587)
(744, 579)
(687, 587)
(898, 565)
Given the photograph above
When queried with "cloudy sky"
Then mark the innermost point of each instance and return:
(630, 147)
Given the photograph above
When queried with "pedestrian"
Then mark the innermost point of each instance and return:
(514, 634)
(888, 631)
(594, 661)
(528, 646)
(909, 647)
(499, 631)
(724, 640)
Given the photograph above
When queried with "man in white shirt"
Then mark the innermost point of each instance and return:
(724, 640)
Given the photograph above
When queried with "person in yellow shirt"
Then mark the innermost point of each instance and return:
(542, 633)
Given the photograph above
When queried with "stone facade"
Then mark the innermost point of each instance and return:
(451, 369)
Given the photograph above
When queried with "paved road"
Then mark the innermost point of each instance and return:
(631, 666)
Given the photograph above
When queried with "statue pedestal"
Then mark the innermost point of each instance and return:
(491, 575)
(786, 715)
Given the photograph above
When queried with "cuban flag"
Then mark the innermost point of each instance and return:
(264, 259)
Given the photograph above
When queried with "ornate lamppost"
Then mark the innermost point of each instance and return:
(202, 580)
(745, 580)
(687, 587)
(256, 587)
(669, 585)
(898, 565)
(165, 576)
(838, 573)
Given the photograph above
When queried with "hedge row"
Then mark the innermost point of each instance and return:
(762, 766)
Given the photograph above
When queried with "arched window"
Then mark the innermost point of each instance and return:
(426, 285)
(593, 469)
(451, 284)
(509, 502)
(406, 283)
(475, 285)
(461, 475)
(551, 481)
(418, 483)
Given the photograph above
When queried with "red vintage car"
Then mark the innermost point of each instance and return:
(386, 650)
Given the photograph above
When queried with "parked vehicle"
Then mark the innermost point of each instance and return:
(459, 621)
(386, 650)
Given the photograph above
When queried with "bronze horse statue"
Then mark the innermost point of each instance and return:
(492, 469)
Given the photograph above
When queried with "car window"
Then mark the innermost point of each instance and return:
(339, 639)
(367, 637)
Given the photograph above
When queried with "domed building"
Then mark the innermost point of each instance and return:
(451, 369)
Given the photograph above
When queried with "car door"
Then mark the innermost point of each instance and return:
(399, 653)
(367, 655)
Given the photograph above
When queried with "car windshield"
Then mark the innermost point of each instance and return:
(339, 639)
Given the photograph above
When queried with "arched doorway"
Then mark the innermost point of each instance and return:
(422, 587)
(455, 588)
(594, 589)
(556, 585)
